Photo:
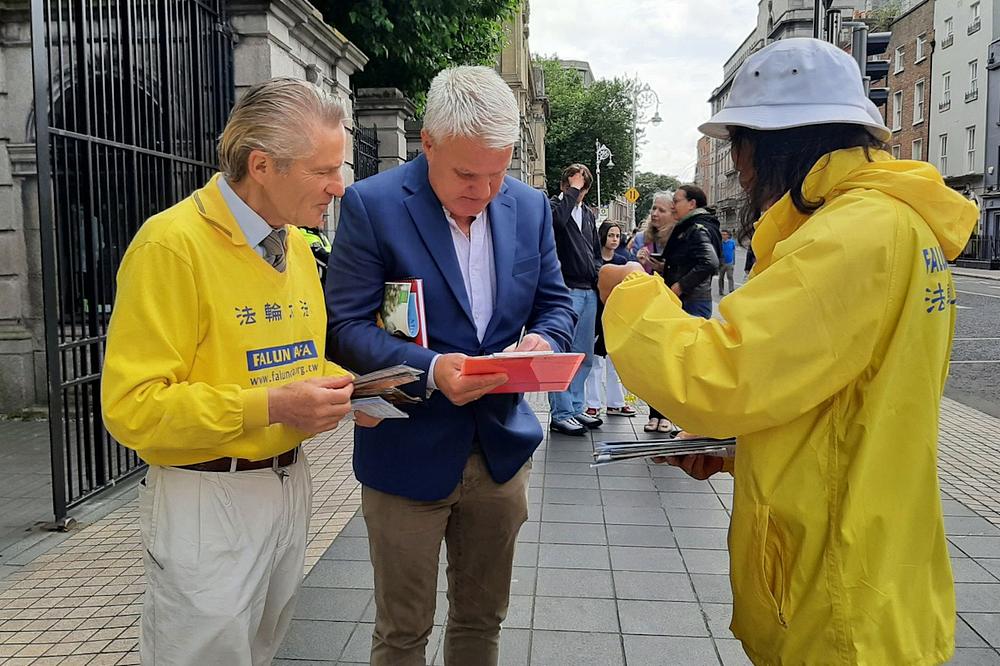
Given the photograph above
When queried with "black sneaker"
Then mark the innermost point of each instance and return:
(568, 427)
(589, 421)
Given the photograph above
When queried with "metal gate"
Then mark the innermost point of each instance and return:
(130, 97)
(365, 151)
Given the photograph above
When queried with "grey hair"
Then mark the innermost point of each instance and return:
(472, 102)
(275, 117)
(662, 194)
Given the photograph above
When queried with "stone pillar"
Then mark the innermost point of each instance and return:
(387, 109)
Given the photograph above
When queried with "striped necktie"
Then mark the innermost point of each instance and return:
(274, 249)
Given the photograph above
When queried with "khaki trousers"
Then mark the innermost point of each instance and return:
(224, 561)
(479, 521)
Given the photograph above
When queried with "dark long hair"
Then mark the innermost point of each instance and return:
(603, 230)
(783, 158)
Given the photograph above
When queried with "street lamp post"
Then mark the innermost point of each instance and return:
(603, 153)
(643, 97)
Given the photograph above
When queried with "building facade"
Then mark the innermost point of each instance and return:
(963, 30)
(517, 68)
(702, 169)
(582, 67)
(911, 87)
(987, 254)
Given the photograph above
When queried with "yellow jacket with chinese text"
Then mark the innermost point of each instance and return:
(829, 368)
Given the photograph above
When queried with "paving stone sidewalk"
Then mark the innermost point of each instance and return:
(625, 565)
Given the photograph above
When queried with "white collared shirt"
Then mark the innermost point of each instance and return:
(253, 226)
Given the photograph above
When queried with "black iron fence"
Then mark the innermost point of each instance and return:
(365, 151)
(130, 97)
(984, 248)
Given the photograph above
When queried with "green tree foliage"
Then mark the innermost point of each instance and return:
(648, 184)
(881, 18)
(409, 41)
(578, 117)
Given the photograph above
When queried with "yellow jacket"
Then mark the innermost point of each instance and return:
(202, 327)
(829, 367)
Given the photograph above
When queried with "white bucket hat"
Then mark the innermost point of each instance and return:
(794, 83)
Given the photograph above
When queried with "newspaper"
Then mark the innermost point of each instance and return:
(606, 453)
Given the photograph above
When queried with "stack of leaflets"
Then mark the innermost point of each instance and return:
(606, 453)
(377, 392)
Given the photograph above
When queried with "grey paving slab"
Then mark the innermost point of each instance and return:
(718, 617)
(573, 456)
(650, 650)
(952, 507)
(359, 646)
(706, 561)
(342, 574)
(573, 533)
(571, 481)
(640, 535)
(565, 556)
(732, 653)
(986, 625)
(567, 513)
(661, 618)
(574, 496)
(630, 498)
(975, 657)
(636, 558)
(582, 583)
(966, 636)
(712, 588)
(697, 517)
(522, 580)
(679, 500)
(348, 548)
(647, 586)
(577, 648)
(355, 527)
(701, 537)
(568, 468)
(571, 614)
(977, 597)
(977, 546)
(514, 647)
(519, 613)
(529, 532)
(323, 603)
(968, 570)
(969, 526)
(526, 554)
(624, 469)
(620, 515)
(316, 639)
(627, 483)
(990, 564)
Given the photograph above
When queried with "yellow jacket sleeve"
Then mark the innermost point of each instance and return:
(791, 337)
(152, 339)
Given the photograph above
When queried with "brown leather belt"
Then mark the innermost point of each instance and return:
(243, 465)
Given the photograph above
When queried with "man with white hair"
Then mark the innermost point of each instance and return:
(457, 469)
(215, 373)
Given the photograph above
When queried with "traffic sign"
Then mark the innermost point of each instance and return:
(631, 195)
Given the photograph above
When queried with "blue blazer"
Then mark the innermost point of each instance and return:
(392, 226)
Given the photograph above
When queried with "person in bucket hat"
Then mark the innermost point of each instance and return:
(828, 366)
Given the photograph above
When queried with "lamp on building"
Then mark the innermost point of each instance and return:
(603, 153)
(643, 97)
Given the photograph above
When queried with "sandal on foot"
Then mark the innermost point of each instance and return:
(621, 411)
(592, 411)
(652, 425)
(666, 425)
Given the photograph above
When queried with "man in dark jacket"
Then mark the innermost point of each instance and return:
(692, 254)
(579, 252)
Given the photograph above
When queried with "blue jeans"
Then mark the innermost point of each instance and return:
(569, 403)
(698, 307)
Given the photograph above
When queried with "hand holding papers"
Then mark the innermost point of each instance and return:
(527, 372)
(383, 383)
(377, 408)
(606, 453)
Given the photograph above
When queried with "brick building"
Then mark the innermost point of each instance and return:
(910, 54)
(703, 168)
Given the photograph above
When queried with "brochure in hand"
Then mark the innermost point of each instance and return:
(377, 407)
(606, 453)
(383, 383)
(527, 372)
(402, 312)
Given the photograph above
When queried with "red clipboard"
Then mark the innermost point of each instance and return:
(527, 372)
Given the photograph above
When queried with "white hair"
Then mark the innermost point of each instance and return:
(472, 102)
(275, 117)
(663, 194)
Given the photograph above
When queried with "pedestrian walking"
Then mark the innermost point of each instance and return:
(727, 262)
(829, 368)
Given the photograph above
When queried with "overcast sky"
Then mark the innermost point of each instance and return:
(678, 47)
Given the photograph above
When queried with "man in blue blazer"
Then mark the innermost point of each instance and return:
(457, 469)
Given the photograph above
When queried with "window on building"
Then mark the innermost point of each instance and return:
(949, 32)
(921, 47)
(973, 76)
(917, 149)
(895, 151)
(946, 89)
(943, 159)
(918, 102)
(970, 149)
(900, 55)
(975, 20)
(897, 110)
